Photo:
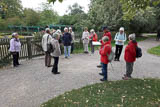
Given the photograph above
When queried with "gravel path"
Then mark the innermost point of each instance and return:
(32, 84)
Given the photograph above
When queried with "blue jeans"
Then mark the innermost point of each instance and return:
(67, 51)
(104, 70)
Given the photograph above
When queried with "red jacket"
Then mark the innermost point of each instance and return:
(130, 52)
(106, 50)
(109, 35)
(95, 37)
(110, 38)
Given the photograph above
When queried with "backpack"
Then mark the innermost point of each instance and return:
(50, 48)
(138, 52)
(111, 55)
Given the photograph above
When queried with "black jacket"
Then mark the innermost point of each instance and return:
(67, 38)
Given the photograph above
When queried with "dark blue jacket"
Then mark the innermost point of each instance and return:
(67, 38)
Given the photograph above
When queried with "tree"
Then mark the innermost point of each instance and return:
(53, 1)
(31, 17)
(131, 7)
(10, 8)
(48, 15)
(105, 12)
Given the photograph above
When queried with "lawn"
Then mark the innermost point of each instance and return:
(155, 50)
(130, 93)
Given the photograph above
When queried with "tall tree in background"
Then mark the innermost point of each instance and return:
(48, 15)
(105, 12)
(10, 8)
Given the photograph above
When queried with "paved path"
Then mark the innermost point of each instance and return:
(32, 84)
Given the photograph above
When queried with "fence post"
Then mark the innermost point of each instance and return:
(29, 48)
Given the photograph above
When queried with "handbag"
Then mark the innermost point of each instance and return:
(49, 46)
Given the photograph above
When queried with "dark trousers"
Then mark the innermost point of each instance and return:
(92, 47)
(15, 58)
(47, 59)
(129, 69)
(105, 71)
(55, 66)
(118, 51)
(72, 47)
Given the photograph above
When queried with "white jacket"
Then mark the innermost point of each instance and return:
(45, 41)
(85, 37)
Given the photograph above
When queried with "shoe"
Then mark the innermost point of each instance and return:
(65, 57)
(101, 74)
(15, 66)
(99, 66)
(125, 78)
(103, 79)
(115, 59)
(49, 66)
(118, 60)
(56, 72)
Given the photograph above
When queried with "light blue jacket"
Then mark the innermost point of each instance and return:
(121, 37)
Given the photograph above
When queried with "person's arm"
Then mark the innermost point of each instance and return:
(12, 46)
(96, 37)
(125, 38)
(116, 37)
(105, 50)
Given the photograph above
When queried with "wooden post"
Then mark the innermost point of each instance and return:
(29, 48)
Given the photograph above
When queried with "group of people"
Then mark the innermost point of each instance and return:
(56, 39)
(106, 48)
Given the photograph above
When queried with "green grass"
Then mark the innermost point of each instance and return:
(129, 93)
(155, 50)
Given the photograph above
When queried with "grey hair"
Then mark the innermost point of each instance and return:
(132, 36)
(105, 39)
(14, 34)
(55, 35)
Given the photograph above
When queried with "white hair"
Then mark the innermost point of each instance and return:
(121, 29)
(65, 28)
(14, 34)
(92, 31)
(47, 29)
(132, 36)
(70, 28)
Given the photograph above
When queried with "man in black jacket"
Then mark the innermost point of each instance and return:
(67, 38)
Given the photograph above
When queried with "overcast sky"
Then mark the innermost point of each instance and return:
(59, 7)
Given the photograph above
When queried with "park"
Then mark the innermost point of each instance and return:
(31, 84)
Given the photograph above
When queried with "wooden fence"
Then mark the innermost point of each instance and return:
(29, 49)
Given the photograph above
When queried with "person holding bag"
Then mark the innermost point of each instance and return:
(15, 47)
(46, 40)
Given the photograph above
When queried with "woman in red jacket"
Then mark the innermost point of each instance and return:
(104, 52)
(93, 38)
(130, 56)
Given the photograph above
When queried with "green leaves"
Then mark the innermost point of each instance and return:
(53, 1)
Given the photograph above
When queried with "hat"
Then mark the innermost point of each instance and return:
(104, 27)
(121, 29)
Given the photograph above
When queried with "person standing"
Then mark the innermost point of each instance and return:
(105, 52)
(130, 56)
(67, 39)
(15, 47)
(93, 38)
(107, 34)
(73, 39)
(120, 38)
(85, 38)
(46, 39)
(56, 53)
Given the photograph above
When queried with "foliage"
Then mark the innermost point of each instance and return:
(131, 93)
(31, 17)
(105, 12)
(131, 7)
(10, 8)
(47, 15)
(154, 50)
